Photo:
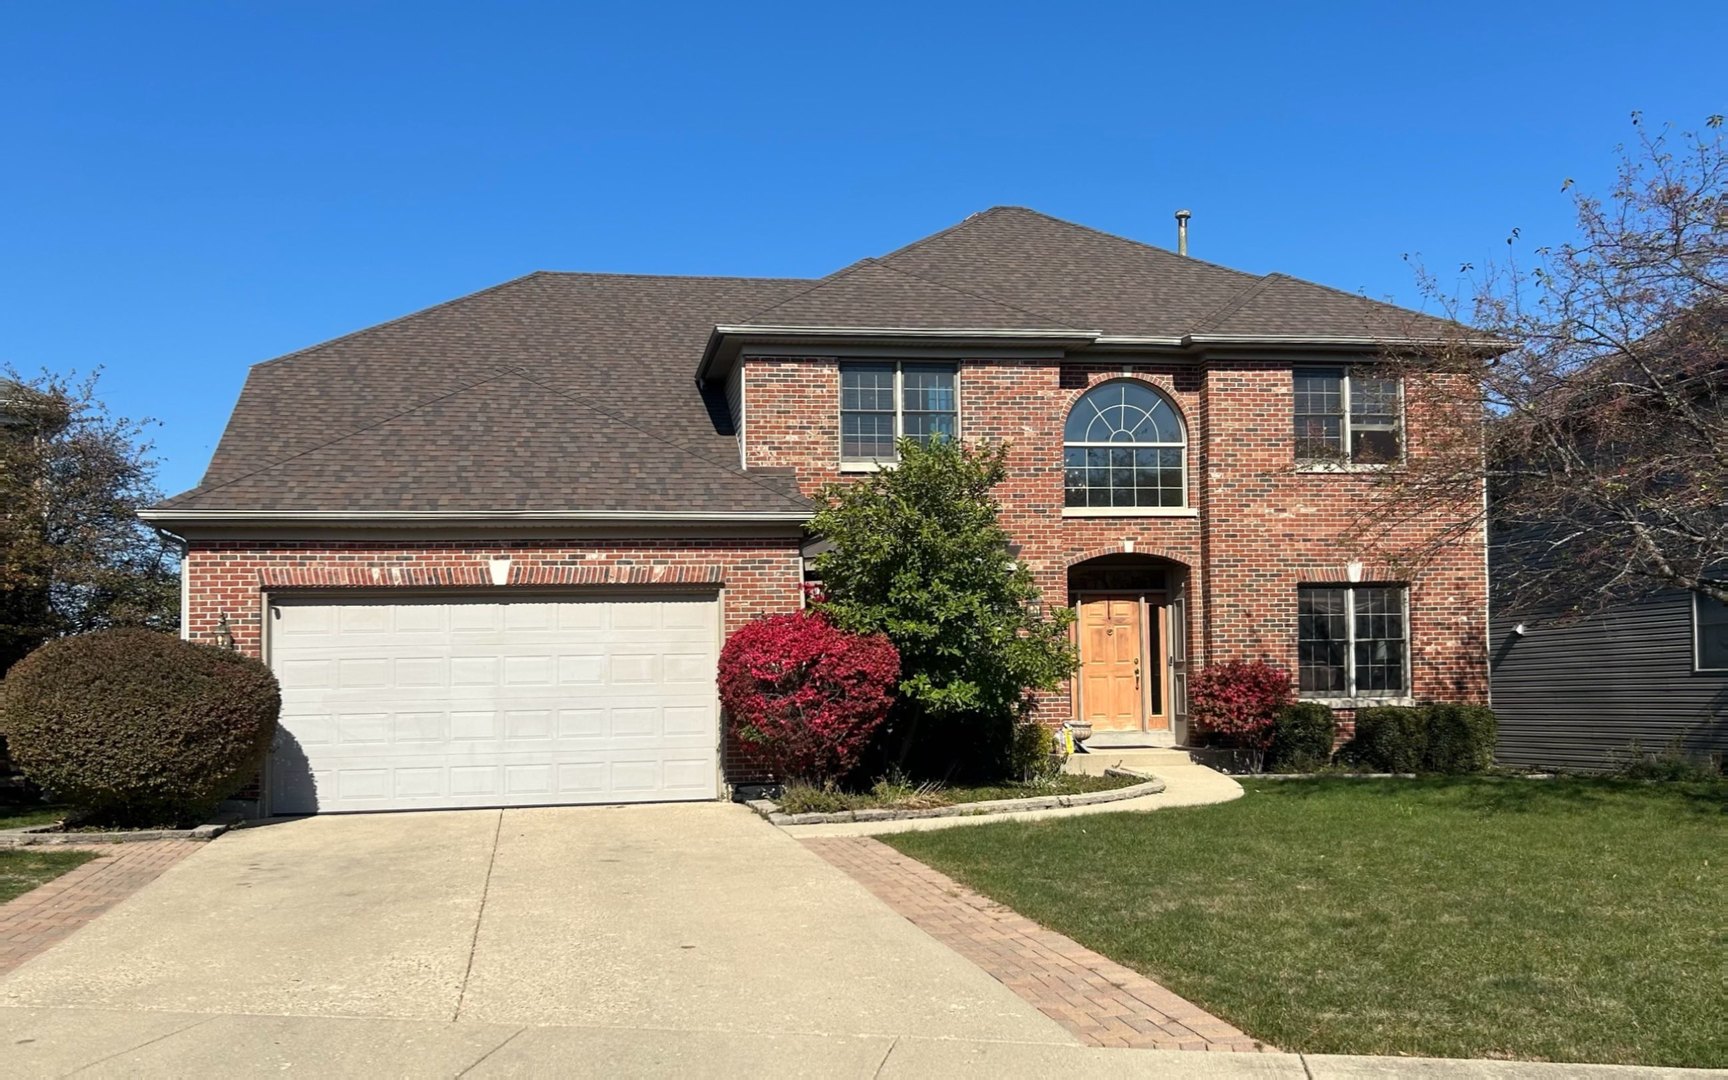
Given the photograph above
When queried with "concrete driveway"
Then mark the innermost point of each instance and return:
(694, 918)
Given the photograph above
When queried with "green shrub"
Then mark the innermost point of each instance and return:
(1389, 738)
(1302, 738)
(1673, 763)
(138, 727)
(1033, 757)
(1460, 738)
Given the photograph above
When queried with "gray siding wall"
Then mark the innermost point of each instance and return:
(1575, 694)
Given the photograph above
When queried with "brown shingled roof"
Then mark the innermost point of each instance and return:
(574, 393)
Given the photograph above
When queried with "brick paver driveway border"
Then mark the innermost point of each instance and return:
(47, 914)
(1101, 1001)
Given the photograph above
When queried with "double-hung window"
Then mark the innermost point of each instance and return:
(1710, 630)
(881, 402)
(1352, 641)
(1345, 417)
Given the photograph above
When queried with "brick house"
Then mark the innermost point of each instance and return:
(491, 548)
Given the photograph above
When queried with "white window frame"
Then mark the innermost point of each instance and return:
(1349, 698)
(1344, 464)
(863, 465)
(1697, 634)
(1185, 510)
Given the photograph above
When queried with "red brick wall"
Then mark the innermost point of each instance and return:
(224, 576)
(1262, 528)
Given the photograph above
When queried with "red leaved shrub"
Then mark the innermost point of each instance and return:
(803, 696)
(1236, 701)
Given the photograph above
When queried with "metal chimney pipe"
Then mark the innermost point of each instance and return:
(1182, 217)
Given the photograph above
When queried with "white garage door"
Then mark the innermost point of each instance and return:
(404, 704)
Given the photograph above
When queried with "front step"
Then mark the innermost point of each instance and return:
(1140, 757)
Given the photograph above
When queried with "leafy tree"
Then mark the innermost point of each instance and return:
(1602, 417)
(73, 555)
(919, 555)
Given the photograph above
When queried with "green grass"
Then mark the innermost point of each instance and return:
(22, 869)
(805, 799)
(1568, 920)
(14, 817)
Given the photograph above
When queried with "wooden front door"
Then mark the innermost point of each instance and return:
(1112, 647)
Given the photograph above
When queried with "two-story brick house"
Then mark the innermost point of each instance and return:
(492, 548)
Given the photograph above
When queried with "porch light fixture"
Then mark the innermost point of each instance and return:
(224, 632)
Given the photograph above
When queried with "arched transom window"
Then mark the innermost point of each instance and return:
(1124, 448)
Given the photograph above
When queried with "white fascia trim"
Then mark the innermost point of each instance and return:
(1065, 333)
(365, 517)
(1306, 339)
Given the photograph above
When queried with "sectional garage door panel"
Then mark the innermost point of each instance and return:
(390, 705)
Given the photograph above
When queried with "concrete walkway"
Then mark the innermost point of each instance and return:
(148, 1044)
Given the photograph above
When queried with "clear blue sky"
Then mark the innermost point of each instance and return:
(189, 189)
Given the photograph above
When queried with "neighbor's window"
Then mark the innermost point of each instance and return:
(1350, 641)
(883, 402)
(1348, 417)
(1124, 447)
(1710, 624)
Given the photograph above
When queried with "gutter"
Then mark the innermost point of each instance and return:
(1069, 335)
(350, 517)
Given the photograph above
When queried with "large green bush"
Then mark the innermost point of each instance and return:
(138, 727)
(1302, 737)
(1441, 738)
(1460, 738)
(1389, 738)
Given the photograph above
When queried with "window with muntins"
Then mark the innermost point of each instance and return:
(881, 402)
(1710, 630)
(1345, 417)
(1124, 447)
(1351, 641)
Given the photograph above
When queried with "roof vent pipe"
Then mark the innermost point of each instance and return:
(1182, 217)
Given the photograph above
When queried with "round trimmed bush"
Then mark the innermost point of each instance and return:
(138, 727)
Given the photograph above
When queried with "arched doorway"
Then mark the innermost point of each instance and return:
(1132, 633)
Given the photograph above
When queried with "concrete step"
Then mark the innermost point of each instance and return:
(1142, 757)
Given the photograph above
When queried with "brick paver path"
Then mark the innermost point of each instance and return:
(50, 912)
(1099, 1000)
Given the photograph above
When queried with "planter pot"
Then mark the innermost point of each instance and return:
(1080, 729)
(1229, 759)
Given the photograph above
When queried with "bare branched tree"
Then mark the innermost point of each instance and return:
(73, 554)
(1600, 421)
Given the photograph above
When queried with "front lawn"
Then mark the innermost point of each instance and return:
(23, 817)
(22, 869)
(1568, 920)
(805, 799)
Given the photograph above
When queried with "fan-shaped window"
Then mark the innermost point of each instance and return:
(1124, 447)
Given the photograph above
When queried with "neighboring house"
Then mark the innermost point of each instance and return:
(491, 548)
(1587, 693)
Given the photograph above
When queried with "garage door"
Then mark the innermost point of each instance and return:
(409, 704)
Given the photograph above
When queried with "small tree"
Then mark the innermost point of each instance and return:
(1238, 701)
(804, 697)
(73, 555)
(919, 555)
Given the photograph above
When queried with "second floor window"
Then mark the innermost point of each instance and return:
(1346, 417)
(886, 401)
(1123, 448)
